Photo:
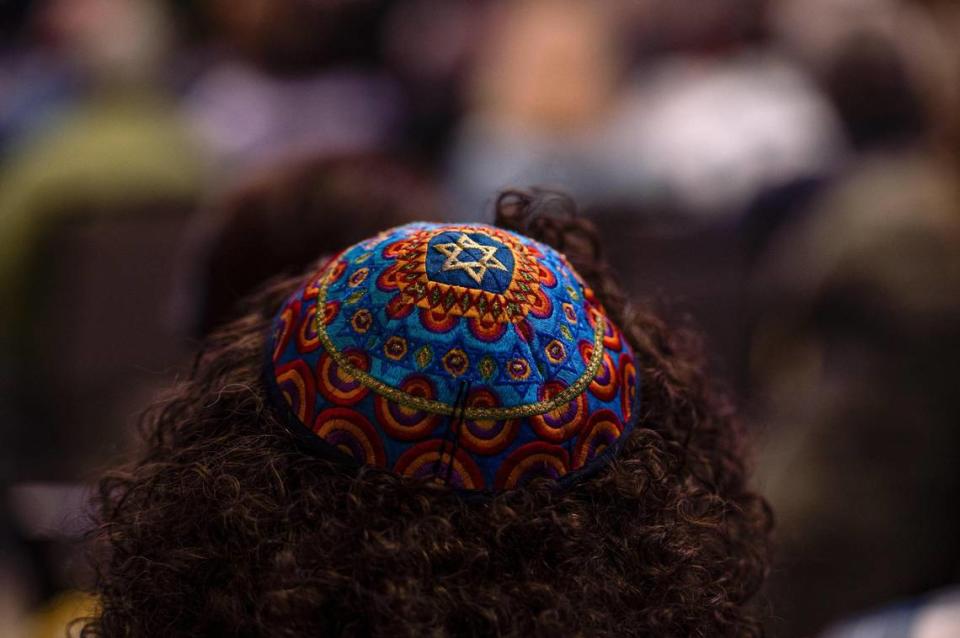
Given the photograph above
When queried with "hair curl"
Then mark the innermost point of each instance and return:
(225, 526)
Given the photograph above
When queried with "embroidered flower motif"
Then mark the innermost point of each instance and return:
(361, 321)
(555, 352)
(358, 277)
(518, 369)
(395, 348)
(456, 362)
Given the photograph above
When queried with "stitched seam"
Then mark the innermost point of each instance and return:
(438, 464)
(455, 428)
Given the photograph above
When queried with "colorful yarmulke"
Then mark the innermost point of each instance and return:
(463, 353)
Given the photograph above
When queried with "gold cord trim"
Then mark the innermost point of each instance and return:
(433, 406)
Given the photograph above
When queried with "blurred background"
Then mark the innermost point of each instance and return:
(782, 175)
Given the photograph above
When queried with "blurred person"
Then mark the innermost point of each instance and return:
(714, 114)
(430, 46)
(288, 214)
(292, 78)
(541, 87)
(113, 150)
(117, 150)
(119, 143)
(35, 83)
(876, 97)
(855, 352)
(441, 430)
(890, 66)
(855, 357)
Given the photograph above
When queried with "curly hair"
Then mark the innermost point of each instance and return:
(225, 526)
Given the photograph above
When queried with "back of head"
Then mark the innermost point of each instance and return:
(228, 524)
(290, 214)
(298, 36)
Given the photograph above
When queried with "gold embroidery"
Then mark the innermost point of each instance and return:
(475, 269)
(438, 407)
(511, 305)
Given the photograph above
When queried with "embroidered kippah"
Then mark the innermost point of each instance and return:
(466, 354)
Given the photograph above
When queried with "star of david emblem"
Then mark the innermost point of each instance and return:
(475, 269)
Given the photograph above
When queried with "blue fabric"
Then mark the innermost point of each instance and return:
(466, 317)
(495, 278)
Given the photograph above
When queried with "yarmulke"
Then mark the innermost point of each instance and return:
(463, 353)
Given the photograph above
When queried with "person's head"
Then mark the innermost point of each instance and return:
(290, 214)
(298, 36)
(547, 65)
(891, 71)
(112, 42)
(248, 513)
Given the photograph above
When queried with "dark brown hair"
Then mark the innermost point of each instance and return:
(225, 526)
(296, 36)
